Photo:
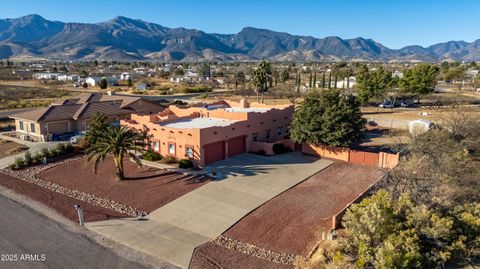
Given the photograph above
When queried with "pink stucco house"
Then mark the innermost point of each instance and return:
(207, 133)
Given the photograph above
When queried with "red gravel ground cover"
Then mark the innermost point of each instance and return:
(291, 222)
(59, 202)
(209, 256)
(145, 188)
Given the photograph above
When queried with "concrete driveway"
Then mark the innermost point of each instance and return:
(173, 231)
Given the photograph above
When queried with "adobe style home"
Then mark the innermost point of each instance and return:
(206, 133)
(73, 115)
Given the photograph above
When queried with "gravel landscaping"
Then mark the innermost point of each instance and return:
(145, 188)
(58, 202)
(210, 255)
(293, 221)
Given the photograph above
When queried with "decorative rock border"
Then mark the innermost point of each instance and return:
(258, 252)
(30, 175)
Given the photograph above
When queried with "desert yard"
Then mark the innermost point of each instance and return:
(8, 148)
(293, 221)
(145, 188)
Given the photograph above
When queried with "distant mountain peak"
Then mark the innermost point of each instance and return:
(123, 38)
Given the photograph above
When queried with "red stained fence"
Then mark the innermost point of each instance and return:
(377, 159)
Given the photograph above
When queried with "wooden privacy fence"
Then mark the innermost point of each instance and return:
(377, 159)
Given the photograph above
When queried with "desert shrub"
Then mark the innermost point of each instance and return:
(185, 163)
(151, 156)
(38, 157)
(17, 164)
(195, 89)
(261, 152)
(279, 148)
(82, 143)
(45, 152)
(169, 159)
(28, 158)
(67, 147)
(59, 149)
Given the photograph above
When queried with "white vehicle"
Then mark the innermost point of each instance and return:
(74, 139)
(386, 105)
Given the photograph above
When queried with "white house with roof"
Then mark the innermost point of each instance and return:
(93, 81)
(47, 76)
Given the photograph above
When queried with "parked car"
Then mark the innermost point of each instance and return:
(406, 104)
(74, 139)
(386, 105)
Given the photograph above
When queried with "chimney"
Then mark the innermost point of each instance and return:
(244, 103)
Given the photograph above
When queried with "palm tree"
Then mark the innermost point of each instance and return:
(116, 141)
(261, 78)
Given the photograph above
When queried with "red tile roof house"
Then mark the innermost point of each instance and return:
(209, 133)
(73, 115)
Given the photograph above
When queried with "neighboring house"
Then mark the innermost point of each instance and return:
(93, 81)
(73, 115)
(127, 75)
(72, 78)
(471, 74)
(397, 74)
(343, 84)
(47, 76)
(209, 133)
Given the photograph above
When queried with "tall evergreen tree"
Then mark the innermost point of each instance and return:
(330, 80)
(310, 80)
(315, 79)
(336, 80)
(323, 80)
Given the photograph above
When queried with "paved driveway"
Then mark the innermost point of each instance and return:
(247, 181)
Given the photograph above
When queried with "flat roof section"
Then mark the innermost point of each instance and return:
(240, 109)
(198, 123)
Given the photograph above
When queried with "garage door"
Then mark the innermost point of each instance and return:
(236, 146)
(214, 152)
(57, 127)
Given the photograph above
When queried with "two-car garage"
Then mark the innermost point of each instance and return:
(216, 151)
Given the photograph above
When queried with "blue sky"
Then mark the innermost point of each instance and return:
(394, 23)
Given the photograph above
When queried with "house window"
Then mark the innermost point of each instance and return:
(254, 136)
(20, 125)
(156, 146)
(171, 148)
(267, 134)
(189, 152)
(279, 130)
(32, 127)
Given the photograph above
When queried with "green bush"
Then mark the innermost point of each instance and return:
(45, 152)
(169, 159)
(279, 148)
(185, 163)
(59, 149)
(82, 143)
(28, 158)
(151, 156)
(18, 164)
(38, 157)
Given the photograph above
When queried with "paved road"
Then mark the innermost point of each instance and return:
(173, 231)
(24, 231)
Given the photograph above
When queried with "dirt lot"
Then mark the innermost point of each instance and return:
(210, 255)
(145, 188)
(59, 202)
(291, 222)
(8, 148)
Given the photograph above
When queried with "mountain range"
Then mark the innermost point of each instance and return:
(125, 39)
